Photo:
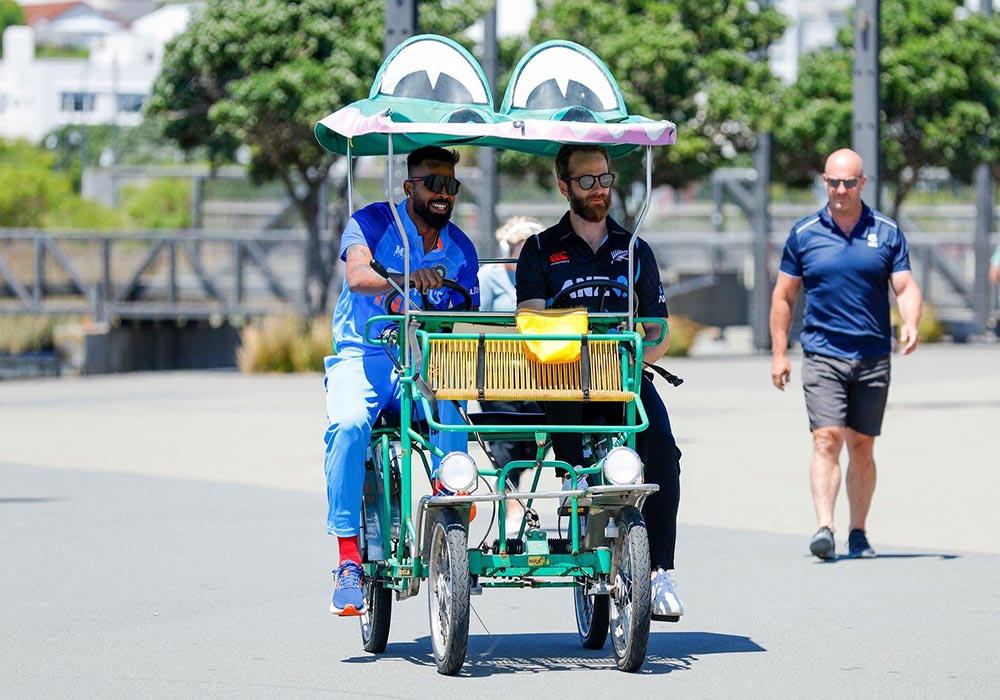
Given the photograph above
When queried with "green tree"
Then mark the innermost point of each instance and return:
(10, 14)
(940, 95)
(697, 63)
(263, 72)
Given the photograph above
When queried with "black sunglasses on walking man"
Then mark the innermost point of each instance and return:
(437, 183)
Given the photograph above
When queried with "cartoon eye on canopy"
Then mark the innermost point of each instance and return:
(428, 80)
(565, 81)
(427, 68)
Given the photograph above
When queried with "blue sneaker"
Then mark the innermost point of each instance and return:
(348, 596)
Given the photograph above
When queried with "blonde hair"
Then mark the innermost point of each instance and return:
(516, 229)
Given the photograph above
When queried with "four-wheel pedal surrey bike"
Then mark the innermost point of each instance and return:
(560, 93)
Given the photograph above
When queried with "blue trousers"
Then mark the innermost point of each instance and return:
(359, 385)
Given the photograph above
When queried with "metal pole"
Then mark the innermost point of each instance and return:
(760, 301)
(985, 205)
(400, 25)
(488, 156)
(867, 107)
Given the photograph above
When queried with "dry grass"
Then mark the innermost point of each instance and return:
(284, 343)
(29, 332)
(682, 333)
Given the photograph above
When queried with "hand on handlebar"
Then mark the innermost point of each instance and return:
(425, 278)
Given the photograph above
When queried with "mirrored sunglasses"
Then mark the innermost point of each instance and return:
(587, 182)
(437, 183)
(850, 183)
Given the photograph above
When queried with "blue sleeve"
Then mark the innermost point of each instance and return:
(900, 254)
(468, 276)
(365, 228)
(791, 264)
(529, 276)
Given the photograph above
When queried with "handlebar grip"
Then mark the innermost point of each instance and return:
(379, 268)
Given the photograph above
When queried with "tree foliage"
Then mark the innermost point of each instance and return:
(263, 72)
(697, 63)
(940, 95)
(10, 14)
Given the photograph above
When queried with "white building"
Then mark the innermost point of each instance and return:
(111, 86)
(812, 25)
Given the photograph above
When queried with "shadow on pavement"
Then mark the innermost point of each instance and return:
(846, 557)
(537, 653)
(38, 499)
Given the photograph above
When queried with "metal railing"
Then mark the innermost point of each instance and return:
(151, 274)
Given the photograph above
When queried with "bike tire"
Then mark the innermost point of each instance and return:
(448, 591)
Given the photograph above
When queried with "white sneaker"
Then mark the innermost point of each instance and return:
(666, 603)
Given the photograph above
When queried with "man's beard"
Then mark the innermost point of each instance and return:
(431, 218)
(594, 212)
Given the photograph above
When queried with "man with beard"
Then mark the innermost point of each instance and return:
(361, 379)
(587, 244)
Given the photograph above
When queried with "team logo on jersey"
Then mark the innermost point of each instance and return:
(873, 240)
(561, 257)
(618, 256)
(399, 252)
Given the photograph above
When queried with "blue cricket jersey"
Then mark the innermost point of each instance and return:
(375, 227)
(846, 278)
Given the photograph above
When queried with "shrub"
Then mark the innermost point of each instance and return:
(28, 333)
(284, 343)
(682, 333)
(160, 204)
(930, 328)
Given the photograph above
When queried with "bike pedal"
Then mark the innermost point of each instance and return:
(514, 546)
(560, 545)
(665, 618)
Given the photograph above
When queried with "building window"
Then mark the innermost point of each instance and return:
(78, 101)
(131, 102)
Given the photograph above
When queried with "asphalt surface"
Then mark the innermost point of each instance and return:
(162, 535)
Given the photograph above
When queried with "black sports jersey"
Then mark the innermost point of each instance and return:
(557, 258)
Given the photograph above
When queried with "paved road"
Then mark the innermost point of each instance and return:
(161, 536)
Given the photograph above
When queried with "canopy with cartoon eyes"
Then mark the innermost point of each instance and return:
(430, 90)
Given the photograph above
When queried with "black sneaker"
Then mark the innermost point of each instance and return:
(822, 544)
(857, 545)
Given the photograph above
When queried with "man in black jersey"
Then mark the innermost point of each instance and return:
(587, 244)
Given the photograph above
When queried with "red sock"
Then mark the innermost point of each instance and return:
(349, 549)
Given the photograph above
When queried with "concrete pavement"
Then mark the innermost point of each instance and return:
(161, 535)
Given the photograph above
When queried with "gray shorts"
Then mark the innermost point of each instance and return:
(843, 392)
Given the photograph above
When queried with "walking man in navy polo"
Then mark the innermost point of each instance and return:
(846, 256)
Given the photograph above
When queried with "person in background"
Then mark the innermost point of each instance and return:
(845, 256)
(497, 293)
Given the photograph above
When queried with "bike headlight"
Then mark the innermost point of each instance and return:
(457, 472)
(622, 466)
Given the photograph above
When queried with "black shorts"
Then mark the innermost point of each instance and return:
(848, 393)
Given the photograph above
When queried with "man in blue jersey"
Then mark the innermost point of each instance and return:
(846, 256)
(361, 379)
(587, 244)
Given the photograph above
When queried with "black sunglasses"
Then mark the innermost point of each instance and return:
(436, 183)
(850, 183)
(587, 182)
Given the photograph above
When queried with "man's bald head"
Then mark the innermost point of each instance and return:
(845, 162)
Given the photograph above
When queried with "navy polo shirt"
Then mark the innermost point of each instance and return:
(846, 277)
(557, 257)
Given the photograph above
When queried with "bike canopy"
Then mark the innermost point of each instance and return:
(432, 91)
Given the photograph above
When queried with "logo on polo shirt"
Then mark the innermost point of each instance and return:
(873, 240)
(561, 257)
(399, 252)
(618, 256)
